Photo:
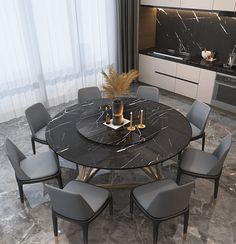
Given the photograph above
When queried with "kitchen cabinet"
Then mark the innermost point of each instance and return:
(186, 89)
(157, 72)
(182, 79)
(165, 82)
(225, 5)
(198, 4)
(162, 3)
(147, 69)
(188, 73)
(206, 85)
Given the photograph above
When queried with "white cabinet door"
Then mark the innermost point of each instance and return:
(226, 5)
(165, 82)
(157, 72)
(198, 4)
(188, 72)
(186, 88)
(165, 66)
(162, 3)
(147, 69)
(206, 85)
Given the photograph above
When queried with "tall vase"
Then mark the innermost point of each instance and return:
(117, 112)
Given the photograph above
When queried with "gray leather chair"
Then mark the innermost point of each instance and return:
(38, 118)
(162, 200)
(203, 164)
(88, 93)
(198, 116)
(78, 202)
(148, 93)
(37, 168)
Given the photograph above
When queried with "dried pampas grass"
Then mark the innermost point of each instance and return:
(118, 84)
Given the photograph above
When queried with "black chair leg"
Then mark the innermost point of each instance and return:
(179, 156)
(77, 167)
(131, 205)
(178, 176)
(20, 187)
(186, 217)
(203, 141)
(59, 180)
(155, 231)
(111, 207)
(54, 221)
(216, 187)
(33, 145)
(85, 233)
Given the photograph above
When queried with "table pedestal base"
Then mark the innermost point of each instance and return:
(86, 174)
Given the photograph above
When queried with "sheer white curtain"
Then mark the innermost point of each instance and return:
(51, 48)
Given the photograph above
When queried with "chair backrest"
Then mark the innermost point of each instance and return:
(68, 204)
(171, 202)
(15, 156)
(199, 114)
(88, 93)
(221, 152)
(148, 93)
(37, 117)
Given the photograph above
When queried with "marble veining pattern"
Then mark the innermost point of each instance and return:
(194, 31)
(79, 135)
(211, 222)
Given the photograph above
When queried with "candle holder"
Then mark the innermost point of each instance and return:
(131, 127)
(141, 125)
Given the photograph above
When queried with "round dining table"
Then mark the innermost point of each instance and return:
(79, 134)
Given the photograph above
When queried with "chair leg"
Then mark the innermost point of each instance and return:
(85, 233)
(178, 176)
(20, 187)
(186, 217)
(77, 167)
(131, 205)
(59, 180)
(155, 231)
(216, 187)
(111, 207)
(33, 145)
(203, 141)
(54, 221)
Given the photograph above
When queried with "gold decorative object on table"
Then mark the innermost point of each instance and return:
(131, 127)
(141, 125)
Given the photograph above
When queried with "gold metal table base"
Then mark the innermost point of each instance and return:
(86, 174)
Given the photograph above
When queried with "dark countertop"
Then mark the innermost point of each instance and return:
(193, 60)
(170, 132)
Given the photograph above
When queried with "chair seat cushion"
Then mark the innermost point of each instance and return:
(145, 194)
(93, 195)
(40, 165)
(40, 134)
(199, 162)
(195, 130)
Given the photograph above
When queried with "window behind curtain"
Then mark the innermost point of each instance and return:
(49, 49)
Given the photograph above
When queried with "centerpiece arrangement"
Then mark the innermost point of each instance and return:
(118, 85)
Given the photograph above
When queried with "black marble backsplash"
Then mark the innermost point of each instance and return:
(196, 30)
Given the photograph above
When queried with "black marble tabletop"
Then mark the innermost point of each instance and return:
(167, 132)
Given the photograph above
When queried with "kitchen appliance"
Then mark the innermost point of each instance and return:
(224, 94)
(232, 58)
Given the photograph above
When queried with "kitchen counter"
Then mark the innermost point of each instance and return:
(196, 61)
